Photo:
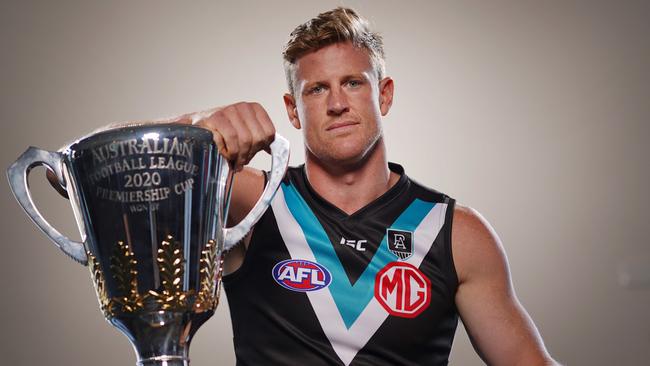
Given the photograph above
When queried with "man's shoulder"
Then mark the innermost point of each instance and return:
(468, 219)
(475, 243)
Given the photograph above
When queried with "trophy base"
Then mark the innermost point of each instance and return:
(164, 361)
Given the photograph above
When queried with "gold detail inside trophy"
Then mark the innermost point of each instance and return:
(171, 268)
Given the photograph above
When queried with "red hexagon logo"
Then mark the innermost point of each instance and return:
(402, 289)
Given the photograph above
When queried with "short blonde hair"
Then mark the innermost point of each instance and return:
(334, 26)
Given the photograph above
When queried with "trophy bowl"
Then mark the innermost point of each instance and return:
(151, 203)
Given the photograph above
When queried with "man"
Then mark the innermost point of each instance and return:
(354, 263)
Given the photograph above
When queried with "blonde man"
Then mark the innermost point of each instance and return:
(355, 263)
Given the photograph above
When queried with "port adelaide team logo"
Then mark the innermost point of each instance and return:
(400, 243)
(301, 275)
(402, 290)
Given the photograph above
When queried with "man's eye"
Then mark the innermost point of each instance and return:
(354, 83)
(317, 89)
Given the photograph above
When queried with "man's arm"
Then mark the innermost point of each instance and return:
(498, 326)
(240, 131)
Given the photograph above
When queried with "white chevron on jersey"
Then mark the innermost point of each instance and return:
(347, 342)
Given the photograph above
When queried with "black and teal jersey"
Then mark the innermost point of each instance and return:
(321, 287)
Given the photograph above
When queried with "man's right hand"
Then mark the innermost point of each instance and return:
(240, 130)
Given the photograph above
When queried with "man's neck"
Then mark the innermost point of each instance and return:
(351, 186)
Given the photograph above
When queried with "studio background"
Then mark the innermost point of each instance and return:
(535, 113)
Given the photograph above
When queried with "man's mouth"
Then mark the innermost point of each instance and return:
(341, 124)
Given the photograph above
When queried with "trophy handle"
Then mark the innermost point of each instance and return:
(279, 162)
(18, 172)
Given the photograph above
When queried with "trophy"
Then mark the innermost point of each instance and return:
(151, 203)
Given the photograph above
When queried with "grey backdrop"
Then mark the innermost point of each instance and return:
(533, 112)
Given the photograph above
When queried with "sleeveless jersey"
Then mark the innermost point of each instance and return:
(321, 287)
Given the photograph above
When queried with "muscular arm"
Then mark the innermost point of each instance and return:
(500, 329)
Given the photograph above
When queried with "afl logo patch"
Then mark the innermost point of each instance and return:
(301, 275)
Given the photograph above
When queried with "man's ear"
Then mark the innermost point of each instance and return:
(292, 111)
(385, 95)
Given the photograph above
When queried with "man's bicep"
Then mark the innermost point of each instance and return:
(499, 327)
(247, 188)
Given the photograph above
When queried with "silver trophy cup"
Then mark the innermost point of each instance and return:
(151, 203)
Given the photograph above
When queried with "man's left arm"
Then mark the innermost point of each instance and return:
(498, 326)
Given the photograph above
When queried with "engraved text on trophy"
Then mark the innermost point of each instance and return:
(141, 163)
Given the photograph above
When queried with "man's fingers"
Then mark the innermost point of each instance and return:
(219, 122)
(244, 136)
(220, 142)
(255, 127)
(240, 130)
(265, 123)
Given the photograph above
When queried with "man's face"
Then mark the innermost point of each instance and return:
(339, 103)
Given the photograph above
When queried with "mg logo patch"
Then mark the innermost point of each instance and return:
(402, 290)
(400, 243)
(301, 275)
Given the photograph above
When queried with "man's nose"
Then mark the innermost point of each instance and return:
(337, 102)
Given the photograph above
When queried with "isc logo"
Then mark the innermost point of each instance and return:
(301, 275)
(402, 290)
(356, 244)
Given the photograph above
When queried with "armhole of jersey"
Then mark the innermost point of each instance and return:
(233, 276)
(453, 281)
